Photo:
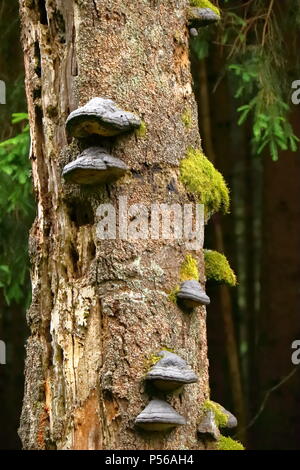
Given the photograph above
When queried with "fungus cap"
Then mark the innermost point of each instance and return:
(192, 294)
(232, 421)
(94, 166)
(100, 116)
(202, 16)
(159, 416)
(170, 372)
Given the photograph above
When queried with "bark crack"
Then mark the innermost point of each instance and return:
(96, 9)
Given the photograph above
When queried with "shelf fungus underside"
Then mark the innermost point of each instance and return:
(101, 116)
(170, 372)
(159, 416)
(202, 16)
(94, 166)
(192, 294)
(208, 428)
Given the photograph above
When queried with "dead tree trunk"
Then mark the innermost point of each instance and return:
(100, 308)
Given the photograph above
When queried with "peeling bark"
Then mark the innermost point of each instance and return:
(101, 307)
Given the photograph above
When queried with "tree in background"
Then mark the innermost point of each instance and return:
(253, 55)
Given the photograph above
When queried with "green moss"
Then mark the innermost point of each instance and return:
(173, 294)
(151, 361)
(227, 443)
(202, 179)
(218, 268)
(142, 130)
(186, 118)
(189, 269)
(165, 348)
(220, 417)
(205, 4)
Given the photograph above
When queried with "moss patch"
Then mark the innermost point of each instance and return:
(165, 348)
(221, 418)
(189, 269)
(173, 294)
(186, 118)
(205, 4)
(142, 130)
(202, 179)
(218, 269)
(151, 361)
(226, 443)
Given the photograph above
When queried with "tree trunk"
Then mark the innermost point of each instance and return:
(100, 308)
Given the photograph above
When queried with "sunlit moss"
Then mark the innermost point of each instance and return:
(150, 361)
(142, 130)
(202, 179)
(221, 418)
(205, 4)
(227, 443)
(217, 268)
(186, 118)
(189, 269)
(173, 294)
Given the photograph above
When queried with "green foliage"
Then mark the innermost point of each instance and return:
(266, 105)
(227, 443)
(205, 4)
(202, 179)
(16, 210)
(221, 418)
(217, 268)
(262, 64)
(189, 269)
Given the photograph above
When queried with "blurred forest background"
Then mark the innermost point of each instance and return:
(243, 71)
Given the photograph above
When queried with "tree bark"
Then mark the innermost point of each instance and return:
(101, 308)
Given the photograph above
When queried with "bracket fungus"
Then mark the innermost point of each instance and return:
(223, 417)
(170, 372)
(159, 416)
(94, 166)
(101, 116)
(208, 428)
(191, 294)
(231, 419)
(202, 13)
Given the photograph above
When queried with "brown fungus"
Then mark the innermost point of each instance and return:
(159, 416)
(170, 372)
(101, 116)
(94, 166)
